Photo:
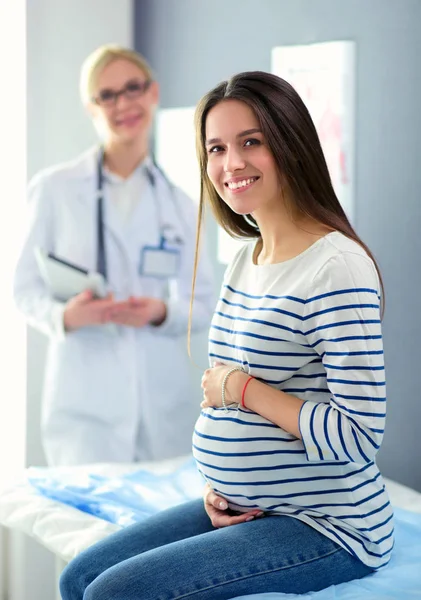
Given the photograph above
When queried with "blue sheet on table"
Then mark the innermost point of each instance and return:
(122, 500)
(400, 580)
(135, 496)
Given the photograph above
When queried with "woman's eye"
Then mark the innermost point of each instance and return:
(252, 142)
(134, 87)
(214, 149)
(106, 95)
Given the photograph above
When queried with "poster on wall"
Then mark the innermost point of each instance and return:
(176, 154)
(324, 76)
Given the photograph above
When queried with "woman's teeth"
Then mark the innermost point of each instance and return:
(235, 185)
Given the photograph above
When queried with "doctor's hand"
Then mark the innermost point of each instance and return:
(138, 312)
(219, 513)
(212, 386)
(83, 310)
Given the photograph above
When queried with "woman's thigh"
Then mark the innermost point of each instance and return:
(273, 554)
(164, 528)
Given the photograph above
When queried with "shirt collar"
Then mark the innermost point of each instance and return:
(138, 173)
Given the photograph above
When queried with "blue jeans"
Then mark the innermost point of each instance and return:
(178, 554)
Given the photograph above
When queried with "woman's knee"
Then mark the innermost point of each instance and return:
(67, 584)
(73, 580)
(106, 586)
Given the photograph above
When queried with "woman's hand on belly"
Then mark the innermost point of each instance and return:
(219, 513)
(212, 386)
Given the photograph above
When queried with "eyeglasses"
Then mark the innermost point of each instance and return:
(131, 91)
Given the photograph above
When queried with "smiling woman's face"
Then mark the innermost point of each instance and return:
(131, 115)
(240, 165)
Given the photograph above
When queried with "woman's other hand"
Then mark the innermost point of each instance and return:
(83, 310)
(219, 513)
(212, 386)
(138, 312)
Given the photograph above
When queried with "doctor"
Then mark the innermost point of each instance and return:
(117, 376)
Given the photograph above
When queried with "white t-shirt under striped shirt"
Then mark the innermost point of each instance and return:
(309, 326)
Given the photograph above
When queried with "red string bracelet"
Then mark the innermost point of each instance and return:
(244, 391)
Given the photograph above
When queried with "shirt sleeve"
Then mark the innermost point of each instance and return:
(342, 323)
(31, 295)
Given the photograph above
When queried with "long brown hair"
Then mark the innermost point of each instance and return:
(293, 140)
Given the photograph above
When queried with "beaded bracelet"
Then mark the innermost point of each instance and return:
(224, 383)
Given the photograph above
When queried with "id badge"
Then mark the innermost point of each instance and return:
(159, 262)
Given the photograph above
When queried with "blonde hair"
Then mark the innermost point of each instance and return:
(96, 62)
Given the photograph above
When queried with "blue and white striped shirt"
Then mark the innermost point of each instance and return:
(309, 326)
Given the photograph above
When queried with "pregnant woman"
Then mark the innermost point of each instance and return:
(293, 405)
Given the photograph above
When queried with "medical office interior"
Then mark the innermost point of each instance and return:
(375, 156)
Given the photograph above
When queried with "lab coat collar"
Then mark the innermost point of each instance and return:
(85, 166)
(84, 169)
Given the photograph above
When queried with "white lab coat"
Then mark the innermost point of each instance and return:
(122, 394)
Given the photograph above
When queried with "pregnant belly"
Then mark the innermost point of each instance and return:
(242, 456)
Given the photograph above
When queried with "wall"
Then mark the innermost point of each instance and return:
(193, 44)
(59, 36)
(13, 330)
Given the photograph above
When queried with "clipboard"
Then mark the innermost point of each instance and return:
(65, 279)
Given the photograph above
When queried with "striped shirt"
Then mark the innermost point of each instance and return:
(309, 326)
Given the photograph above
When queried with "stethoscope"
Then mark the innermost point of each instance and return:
(163, 227)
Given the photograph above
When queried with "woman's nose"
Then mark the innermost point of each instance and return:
(234, 161)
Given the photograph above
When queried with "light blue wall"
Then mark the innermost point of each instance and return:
(193, 44)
